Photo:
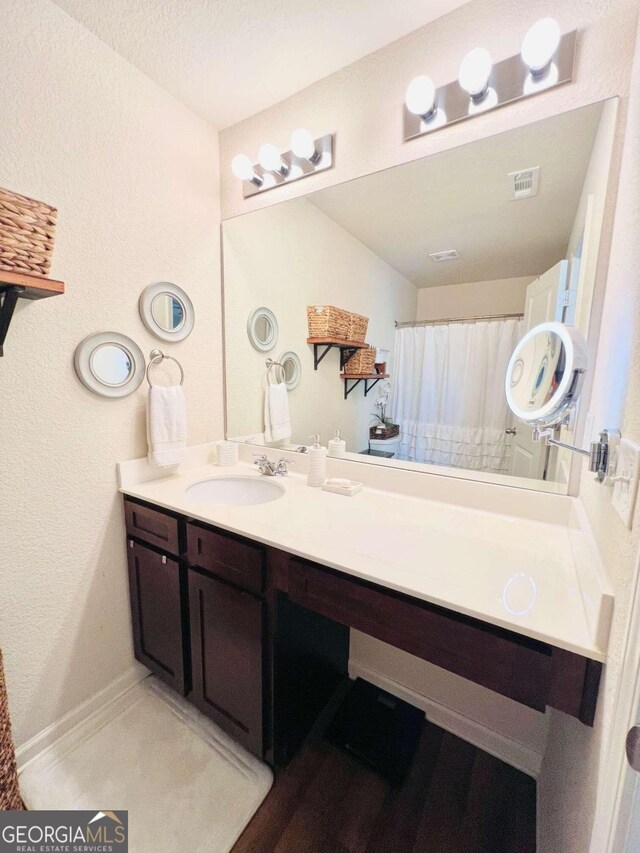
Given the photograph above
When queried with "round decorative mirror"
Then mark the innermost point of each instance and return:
(262, 328)
(109, 364)
(545, 373)
(292, 369)
(166, 311)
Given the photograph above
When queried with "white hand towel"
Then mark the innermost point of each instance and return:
(277, 424)
(166, 425)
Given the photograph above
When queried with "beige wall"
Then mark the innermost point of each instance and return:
(473, 299)
(362, 103)
(134, 176)
(311, 261)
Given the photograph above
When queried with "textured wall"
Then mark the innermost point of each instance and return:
(312, 261)
(473, 299)
(362, 103)
(134, 175)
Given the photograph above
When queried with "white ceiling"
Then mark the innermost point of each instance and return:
(228, 59)
(459, 200)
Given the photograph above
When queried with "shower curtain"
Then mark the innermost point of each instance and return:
(448, 393)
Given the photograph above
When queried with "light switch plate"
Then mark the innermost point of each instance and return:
(625, 488)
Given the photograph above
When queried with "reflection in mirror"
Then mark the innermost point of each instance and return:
(111, 364)
(262, 329)
(545, 374)
(167, 311)
(452, 258)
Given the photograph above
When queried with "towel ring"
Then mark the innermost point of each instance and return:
(271, 363)
(155, 357)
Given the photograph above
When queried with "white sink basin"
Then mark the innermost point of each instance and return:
(236, 491)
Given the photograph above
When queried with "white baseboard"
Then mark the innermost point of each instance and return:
(506, 749)
(43, 740)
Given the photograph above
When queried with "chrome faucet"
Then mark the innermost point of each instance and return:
(272, 469)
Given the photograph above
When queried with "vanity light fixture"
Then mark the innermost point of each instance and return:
(420, 97)
(303, 145)
(540, 44)
(270, 159)
(242, 168)
(474, 73)
(274, 168)
(545, 60)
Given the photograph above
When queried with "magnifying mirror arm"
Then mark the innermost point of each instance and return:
(600, 453)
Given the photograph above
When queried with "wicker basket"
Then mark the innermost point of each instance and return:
(326, 321)
(358, 327)
(10, 799)
(362, 361)
(384, 431)
(27, 234)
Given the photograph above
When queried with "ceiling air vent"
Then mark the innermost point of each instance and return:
(524, 184)
(447, 255)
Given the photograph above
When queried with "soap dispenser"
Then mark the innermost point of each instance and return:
(337, 446)
(317, 470)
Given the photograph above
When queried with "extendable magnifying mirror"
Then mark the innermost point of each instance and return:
(543, 383)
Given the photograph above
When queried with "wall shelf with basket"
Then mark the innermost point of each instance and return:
(331, 327)
(27, 237)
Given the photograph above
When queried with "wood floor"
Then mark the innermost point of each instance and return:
(456, 799)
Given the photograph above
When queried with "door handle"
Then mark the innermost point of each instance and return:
(632, 747)
(510, 431)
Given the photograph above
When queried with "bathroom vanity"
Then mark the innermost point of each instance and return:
(246, 610)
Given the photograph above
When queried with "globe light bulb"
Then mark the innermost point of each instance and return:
(270, 159)
(420, 96)
(242, 168)
(303, 144)
(474, 72)
(540, 44)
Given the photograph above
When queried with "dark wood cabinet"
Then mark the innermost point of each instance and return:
(156, 613)
(258, 639)
(226, 656)
(153, 526)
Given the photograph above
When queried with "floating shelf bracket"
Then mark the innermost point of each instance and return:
(14, 286)
(369, 382)
(10, 295)
(321, 347)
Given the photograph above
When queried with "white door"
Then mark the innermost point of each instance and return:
(544, 301)
(545, 296)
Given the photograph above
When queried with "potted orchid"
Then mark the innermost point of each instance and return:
(383, 426)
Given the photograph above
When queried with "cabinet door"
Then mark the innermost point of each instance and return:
(226, 649)
(156, 613)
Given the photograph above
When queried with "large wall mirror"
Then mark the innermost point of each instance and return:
(452, 258)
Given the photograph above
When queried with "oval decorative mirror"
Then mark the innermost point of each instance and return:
(292, 369)
(262, 328)
(109, 364)
(545, 374)
(166, 311)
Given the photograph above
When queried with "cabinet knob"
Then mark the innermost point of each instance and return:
(130, 543)
(164, 560)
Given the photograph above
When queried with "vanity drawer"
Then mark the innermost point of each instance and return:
(235, 560)
(153, 526)
(508, 664)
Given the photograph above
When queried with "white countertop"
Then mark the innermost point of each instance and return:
(513, 572)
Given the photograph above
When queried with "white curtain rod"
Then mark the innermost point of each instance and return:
(456, 320)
